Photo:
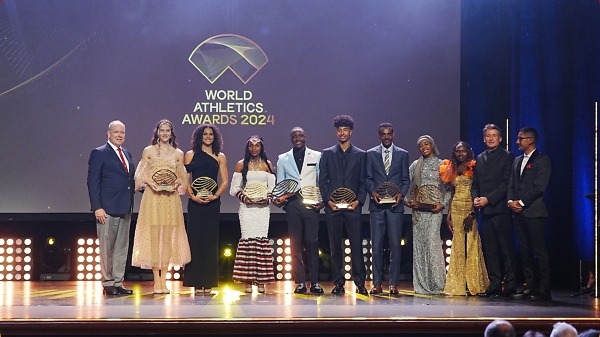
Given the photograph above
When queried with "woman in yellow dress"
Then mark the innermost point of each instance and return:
(160, 238)
(467, 273)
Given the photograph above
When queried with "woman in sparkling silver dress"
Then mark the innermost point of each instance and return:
(429, 273)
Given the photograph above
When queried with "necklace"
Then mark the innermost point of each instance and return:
(254, 165)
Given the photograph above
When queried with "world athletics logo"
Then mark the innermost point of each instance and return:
(215, 55)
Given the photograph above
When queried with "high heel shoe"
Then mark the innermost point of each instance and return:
(157, 290)
(248, 288)
(261, 288)
(207, 290)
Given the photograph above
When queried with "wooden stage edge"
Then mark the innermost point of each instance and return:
(276, 326)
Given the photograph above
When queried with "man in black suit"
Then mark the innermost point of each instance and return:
(386, 163)
(111, 187)
(490, 183)
(527, 183)
(343, 165)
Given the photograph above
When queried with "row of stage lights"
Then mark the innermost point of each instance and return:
(16, 259)
(88, 262)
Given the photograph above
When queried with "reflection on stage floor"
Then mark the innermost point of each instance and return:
(29, 308)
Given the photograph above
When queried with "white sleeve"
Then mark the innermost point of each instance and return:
(236, 184)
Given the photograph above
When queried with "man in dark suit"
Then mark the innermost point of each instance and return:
(386, 163)
(111, 186)
(527, 183)
(301, 164)
(343, 166)
(490, 184)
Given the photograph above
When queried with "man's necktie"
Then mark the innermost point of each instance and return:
(386, 161)
(123, 159)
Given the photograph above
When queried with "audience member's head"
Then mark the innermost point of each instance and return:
(590, 333)
(562, 329)
(499, 328)
(533, 333)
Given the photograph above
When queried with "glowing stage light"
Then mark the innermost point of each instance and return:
(15, 259)
(55, 261)
(227, 252)
(88, 259)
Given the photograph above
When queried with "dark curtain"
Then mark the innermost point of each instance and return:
(537, 63)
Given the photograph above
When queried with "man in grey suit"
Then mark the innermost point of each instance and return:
(526, 187)
(301, 164)
(386, 163)
(111, 187)
(490, 183)
(343, 166)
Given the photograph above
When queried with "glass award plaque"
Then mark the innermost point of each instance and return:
(255, 191)
(387, 192)
(165, 179)
(426, 196)
(285, 188)
(311, 195)
(203, 186)
(342, 197)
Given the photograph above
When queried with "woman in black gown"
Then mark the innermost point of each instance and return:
(204, 160)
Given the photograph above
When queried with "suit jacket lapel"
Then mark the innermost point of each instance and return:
(351, 161)
(518, 168)
(292, 162)
(529, 163)
(395, 160)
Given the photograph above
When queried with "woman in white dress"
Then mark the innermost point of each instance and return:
(252, 182)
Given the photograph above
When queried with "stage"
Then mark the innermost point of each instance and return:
(56, 308)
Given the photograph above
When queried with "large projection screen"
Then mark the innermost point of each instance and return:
(69, 67)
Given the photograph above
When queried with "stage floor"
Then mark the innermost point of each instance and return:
(80, 308)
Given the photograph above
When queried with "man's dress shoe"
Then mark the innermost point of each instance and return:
(110, 290)
(522, 295)
(123, 291)
(505, 293)
(300, 289)
(489, 293)
(338, 290)
(540, 296)
(315, 288)
(376, 290)
(362, 290)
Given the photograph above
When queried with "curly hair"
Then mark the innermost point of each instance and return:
(173, 138)
(217, 144)
(343, 120)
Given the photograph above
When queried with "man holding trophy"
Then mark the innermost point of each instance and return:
(341, 181)
(302, 208)
(387, 183)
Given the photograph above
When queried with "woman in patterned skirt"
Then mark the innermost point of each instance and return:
(252, 182)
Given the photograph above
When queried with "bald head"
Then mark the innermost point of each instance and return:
(499, 328)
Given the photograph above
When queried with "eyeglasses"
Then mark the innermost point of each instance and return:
(521, 138)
